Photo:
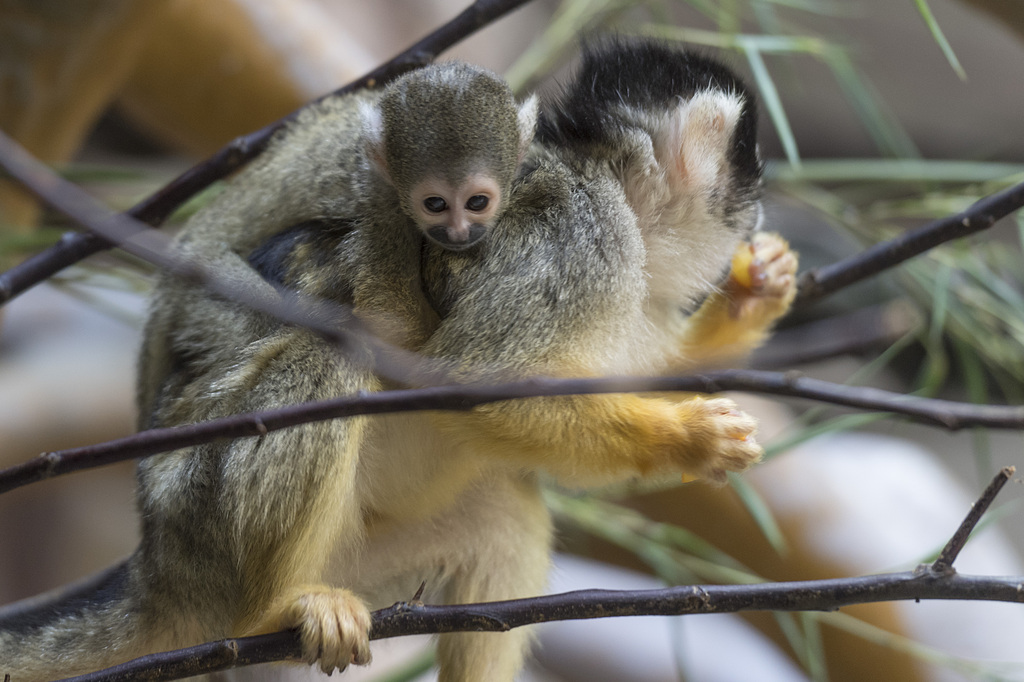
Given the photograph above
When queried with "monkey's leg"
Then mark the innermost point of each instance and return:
(737, 319)
(490, 543)
(236, 534)
(510, 537)
(293, 500)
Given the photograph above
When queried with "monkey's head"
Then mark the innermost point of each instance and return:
(449, 138)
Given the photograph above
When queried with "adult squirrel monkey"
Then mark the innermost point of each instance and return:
(605, 254)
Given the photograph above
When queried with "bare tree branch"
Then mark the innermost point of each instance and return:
(408, 619)
(981, 215)
(949, 553)
(936, 581)
(943, 413)
(156, 208)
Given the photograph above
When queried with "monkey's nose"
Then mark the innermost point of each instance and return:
(457, 238)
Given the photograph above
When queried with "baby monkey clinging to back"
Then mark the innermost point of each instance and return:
(345, 190)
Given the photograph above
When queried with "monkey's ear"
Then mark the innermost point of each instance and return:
(373, 138)
(527, 123)
(696, 138)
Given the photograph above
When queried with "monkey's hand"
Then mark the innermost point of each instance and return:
(762, 283)
(737, 319)
(333, 623)
(720, 439)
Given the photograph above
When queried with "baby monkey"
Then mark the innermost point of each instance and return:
(349, 188)
(434, 154)
(442, 147)
(449, 139)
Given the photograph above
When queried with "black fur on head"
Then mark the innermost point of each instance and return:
(645, 74)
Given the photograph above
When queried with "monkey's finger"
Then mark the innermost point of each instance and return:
(333, 652)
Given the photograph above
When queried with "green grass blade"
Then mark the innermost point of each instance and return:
(561, 34)
(884, 129)
(893, 170)
(759, 511)
(814, 651)
(940, 38)
(770, 97)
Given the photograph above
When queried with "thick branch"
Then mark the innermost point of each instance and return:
(156, 208)
(950, 415)
(408, 619)
(981, 215)
(928, 582)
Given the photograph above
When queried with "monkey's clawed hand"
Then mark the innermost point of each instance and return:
(762, 283)
(721, 439)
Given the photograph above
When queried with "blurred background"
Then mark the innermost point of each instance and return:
(876, 116)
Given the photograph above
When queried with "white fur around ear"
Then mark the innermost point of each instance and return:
(373, 137)
(527, 122)
(697, 134)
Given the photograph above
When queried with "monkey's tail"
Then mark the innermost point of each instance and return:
(83, 627)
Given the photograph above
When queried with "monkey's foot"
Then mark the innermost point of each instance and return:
(762, 283)
(334, 625)
(721, 439)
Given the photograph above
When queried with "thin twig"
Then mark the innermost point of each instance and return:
(944, 562)
(943, 413)
(157, 207)
(408, 619)
(981, 215)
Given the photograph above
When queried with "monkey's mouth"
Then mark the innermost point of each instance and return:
(456, 240)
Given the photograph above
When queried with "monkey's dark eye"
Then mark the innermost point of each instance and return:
(435, 204)
(477, 202)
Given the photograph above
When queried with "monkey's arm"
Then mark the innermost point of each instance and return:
(592, 440)
(387, 293)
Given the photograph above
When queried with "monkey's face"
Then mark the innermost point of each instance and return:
(455, 216)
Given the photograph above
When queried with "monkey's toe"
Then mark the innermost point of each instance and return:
(334, 626)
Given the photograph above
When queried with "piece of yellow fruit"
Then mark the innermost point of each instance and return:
(741, 261)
